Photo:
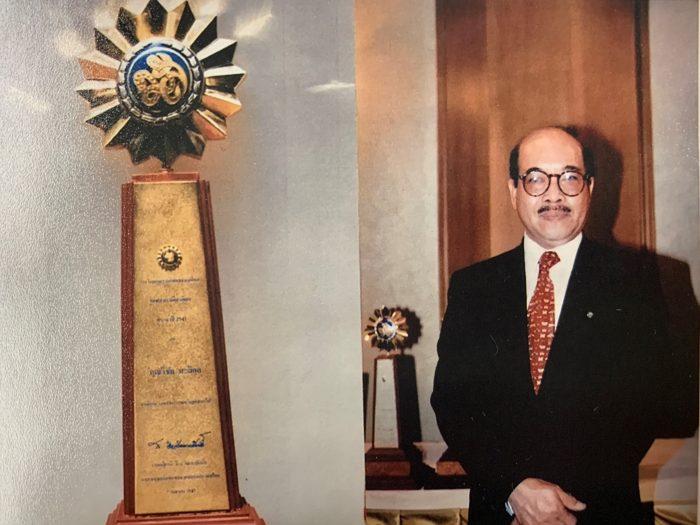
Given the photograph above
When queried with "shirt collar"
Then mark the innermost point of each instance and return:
(566, 251)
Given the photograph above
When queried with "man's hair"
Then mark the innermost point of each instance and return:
(514, 159)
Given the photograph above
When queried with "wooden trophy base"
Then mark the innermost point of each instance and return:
(449, 473)
(246, 515)
(449, 468)
(391, 469)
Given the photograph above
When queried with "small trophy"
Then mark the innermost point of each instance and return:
(160, 84)
(393, 460)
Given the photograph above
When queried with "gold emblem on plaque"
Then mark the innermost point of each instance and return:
(169, 258)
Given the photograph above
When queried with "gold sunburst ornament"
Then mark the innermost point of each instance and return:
(169, 258)
(387, 329)
(161, 83)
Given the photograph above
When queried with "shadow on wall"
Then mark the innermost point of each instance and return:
(684, 318)
(674, 275)
(605, 162)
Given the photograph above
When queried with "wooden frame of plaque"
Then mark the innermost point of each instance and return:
(173, 474)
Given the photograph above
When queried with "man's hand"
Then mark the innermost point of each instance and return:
(536, 502)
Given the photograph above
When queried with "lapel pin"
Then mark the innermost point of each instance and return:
(589, 315)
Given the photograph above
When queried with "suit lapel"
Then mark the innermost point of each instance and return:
(512, 329)
(567, 352)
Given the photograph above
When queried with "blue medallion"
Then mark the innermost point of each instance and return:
(160, 81)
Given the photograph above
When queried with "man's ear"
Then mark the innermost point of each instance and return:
(591, 183)
(513, 192)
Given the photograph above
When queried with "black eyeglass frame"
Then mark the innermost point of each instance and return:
(586, 180)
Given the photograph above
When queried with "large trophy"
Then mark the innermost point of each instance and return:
(160, 83)
(393, 461)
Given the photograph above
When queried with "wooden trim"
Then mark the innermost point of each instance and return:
(166, 176)
(463, 136)
(217, 324)
(127, 293)
(246, 515)
(646, 178)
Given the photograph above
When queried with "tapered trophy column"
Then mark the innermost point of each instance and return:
(160, 84)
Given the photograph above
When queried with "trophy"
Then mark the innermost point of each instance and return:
(393, 461)
(160, 84)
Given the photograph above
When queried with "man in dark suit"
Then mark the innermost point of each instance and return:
(556, 370)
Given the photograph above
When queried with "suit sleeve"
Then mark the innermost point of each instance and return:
(464, 414)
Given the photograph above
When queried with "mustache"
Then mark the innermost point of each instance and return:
(554, 207)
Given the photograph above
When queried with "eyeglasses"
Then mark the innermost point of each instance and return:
(571, 182)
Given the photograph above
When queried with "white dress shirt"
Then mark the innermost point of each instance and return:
(559, 273)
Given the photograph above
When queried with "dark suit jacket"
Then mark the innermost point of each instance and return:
(613, 382)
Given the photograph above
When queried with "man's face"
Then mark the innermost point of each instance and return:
(553, 218)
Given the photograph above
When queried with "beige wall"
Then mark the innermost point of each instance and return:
(673, 39)
(397, 162)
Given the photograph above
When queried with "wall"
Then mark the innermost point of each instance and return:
(673, 36)
(673, 40)
(285, 208)
(397, 160)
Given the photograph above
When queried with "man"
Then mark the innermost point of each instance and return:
(556, 370)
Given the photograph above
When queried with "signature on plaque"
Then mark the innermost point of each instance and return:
(198, 442)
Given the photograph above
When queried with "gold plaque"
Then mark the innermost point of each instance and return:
(179, 459)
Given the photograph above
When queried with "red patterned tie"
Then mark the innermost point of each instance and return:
(540, 319)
